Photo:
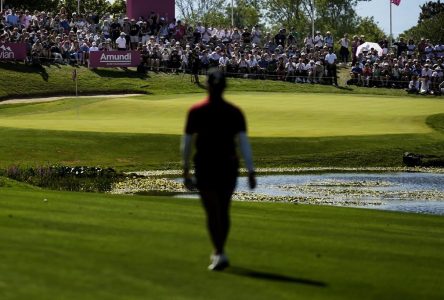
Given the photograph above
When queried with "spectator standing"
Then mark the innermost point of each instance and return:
(328, 40)
(318, 40)
(344, 51)
(426, 76)
(223, 62)
(256, 35)
(401, 47)
(331, 59)
(280, 38)
(12, 19)
(309, 43)
(134, 31)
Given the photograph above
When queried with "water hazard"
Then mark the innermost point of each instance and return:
(407, 192)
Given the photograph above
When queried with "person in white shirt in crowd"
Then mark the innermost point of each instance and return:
(318, 40)
(252, 63)
(256, 35)
(308, 42)
(426, 76)
(224, 35)
(300, 71)
(223, 62)
(311, 71)
(345, 45)
(206, 35)
(429, 50)
(93, 47)
(290, 68)
(121, 42)
(200, 28)
(235, 36)
(243, 65)
(214, 57)
(437, 77)
(411, 47)
(330, 59)
(328, 40)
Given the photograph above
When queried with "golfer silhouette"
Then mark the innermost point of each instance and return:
(217, 125)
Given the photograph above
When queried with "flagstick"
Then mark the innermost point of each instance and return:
(312, 20)
(391, 30)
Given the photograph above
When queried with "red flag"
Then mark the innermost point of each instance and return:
(396, 2)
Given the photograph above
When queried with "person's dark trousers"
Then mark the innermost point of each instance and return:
(332, 73)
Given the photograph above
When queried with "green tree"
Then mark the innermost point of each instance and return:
(290, 13)
(368, 27)
(431, 28)
(337, 16)
(430, 9)
(246, 13)
(117, 7)
(47, 5)
(193, 11)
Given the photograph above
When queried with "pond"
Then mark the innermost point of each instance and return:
(418, 192)
(407, 192)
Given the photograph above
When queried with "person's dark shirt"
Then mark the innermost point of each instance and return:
(197, 36)
(134, 29)
(115, 29)
(402, 47)
(279, 39)
(216, 125)
(246, 37)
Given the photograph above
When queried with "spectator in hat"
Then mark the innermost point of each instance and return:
(121, 42)
(426, 76)
(328, 40)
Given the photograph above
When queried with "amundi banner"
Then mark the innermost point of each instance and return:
(112, 59)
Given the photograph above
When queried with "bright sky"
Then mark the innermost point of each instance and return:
(405, 15)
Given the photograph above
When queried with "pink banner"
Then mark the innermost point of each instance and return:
(112, 59)
(12, 51)
(143, 8)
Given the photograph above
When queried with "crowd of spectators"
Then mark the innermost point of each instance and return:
(172, 46)
(416, 67)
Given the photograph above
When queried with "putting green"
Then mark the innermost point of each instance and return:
(269, 114)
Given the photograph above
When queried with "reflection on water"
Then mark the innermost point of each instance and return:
(408, 192)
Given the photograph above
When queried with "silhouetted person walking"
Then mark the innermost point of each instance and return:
(217, 126)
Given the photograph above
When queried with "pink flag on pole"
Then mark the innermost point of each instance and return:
(396, 2)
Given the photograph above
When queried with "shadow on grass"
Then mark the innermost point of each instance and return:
(240, 271)
(24, 68)
(119, 73)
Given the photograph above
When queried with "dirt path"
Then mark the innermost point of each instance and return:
(51, 99)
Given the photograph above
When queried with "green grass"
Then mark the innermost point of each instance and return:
(19, 80)
(269, 114)
(143, 132)
(93, 246)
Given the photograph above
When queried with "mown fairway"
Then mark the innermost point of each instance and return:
(143, 132)
(269, 114)
(92, 246)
